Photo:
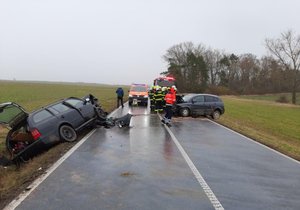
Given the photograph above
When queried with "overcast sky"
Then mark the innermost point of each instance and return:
(123, 41)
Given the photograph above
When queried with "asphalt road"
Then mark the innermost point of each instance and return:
(195, 164)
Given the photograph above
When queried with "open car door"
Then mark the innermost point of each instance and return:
(11, 114)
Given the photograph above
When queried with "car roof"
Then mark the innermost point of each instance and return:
(12, 113)
(201, 94)
(53, 103)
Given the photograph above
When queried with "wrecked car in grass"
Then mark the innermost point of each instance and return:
(30, 133)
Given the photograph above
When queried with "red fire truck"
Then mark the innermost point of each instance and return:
(164, 81)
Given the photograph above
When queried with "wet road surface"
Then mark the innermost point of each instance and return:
(143, 167)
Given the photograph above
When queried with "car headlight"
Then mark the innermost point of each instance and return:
(130, 95)
(145, 96)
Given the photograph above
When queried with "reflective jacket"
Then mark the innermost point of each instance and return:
(170, 98)
(158, 95)
(151, 94)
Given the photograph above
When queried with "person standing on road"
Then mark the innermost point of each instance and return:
(120, 94)
(158, 97)
(170, 100)
(151, 96)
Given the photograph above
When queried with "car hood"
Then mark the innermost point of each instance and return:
(11, 114)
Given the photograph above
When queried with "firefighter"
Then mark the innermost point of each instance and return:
(164, 92)
(151, 96)
(170, 100)
(158, 98)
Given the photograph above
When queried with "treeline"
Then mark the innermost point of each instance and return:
(201, 69)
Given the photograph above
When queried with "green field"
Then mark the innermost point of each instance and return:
(273, 97)
(35, 95)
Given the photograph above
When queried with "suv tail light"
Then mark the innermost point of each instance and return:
(35, 134)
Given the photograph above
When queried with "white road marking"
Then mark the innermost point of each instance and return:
(209, 193)
(38, 181)
(253, 141)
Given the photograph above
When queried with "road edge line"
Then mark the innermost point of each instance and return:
(17, 201)
(21, 197)
(207, 190)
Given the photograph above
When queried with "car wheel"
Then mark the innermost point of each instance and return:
(216, 114)
(130, 103)
(184, 112)
(67, 133)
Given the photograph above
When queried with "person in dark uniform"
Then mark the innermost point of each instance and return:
(120, 95)
(151, 96)
(158, 97)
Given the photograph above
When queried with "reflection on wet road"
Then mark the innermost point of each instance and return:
(142, 168)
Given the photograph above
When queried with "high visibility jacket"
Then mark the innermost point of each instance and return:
(158, 95)
(151, 94)
(170, 98)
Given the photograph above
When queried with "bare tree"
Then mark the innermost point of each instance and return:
(248, 73)
(186, 64)
(286, 49)
(212, 58)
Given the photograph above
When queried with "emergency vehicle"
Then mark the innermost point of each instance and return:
(138, 94)
(164, 81)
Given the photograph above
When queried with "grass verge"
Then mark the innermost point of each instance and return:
(273, 124)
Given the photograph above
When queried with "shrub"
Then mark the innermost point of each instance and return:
(282, 99)
(220, 90)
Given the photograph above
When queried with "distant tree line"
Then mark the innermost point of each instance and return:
(201, 69)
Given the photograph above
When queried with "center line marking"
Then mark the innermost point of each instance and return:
(209, 193)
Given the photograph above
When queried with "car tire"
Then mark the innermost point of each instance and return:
(184, 112)
(216, 115)
(67, 133)
(130, 103)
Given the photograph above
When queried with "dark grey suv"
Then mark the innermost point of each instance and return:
(31, 132)
(200, 104)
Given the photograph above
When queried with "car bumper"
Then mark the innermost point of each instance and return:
(31, 150)
(138, 99)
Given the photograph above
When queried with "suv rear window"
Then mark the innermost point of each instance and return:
(58, 108)
(74, 102)
(42, 115)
